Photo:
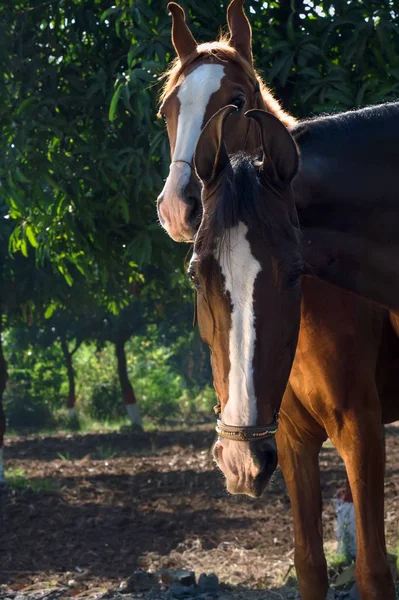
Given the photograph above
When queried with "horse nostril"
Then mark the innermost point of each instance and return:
(266, 455)
(159, 210)
(195, 215)
(265, 445)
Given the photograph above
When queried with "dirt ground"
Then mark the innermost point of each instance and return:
(89, 509)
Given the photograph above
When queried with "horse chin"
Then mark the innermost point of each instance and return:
(247, 471)
(181, 235)
(254, 489)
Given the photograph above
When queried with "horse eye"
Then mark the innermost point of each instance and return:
(239, 102)
(163, 116)
(294, 277)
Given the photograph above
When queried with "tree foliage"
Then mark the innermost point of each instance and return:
(83, 155)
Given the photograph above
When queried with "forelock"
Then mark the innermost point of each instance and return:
(219, 49)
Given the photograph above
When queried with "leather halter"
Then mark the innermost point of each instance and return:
(245, 433)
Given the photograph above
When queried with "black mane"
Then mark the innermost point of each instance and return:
(241, 198)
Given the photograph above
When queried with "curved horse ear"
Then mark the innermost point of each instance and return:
(279, 148)
(240, 29)
(210, 157)
(182, 39)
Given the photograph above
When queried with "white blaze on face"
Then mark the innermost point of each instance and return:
(240, 270)
(194, 95)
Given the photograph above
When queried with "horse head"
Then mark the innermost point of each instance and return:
(203, 79)
(246, 268)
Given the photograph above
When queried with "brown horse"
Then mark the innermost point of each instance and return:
(201, 80)
(347, 354)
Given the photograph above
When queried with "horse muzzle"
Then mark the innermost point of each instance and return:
(179, 204)
(247, 466)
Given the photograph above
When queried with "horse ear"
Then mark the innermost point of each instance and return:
(182, 39)
(279, 148)
(240, 29)
(210, 157)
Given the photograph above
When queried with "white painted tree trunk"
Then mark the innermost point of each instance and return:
(71, 413)
(346, 528)
(133, 410)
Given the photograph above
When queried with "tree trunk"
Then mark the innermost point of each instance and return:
(128, 394)
(3, 381)
(71, 400)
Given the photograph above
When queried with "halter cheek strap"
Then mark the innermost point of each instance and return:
(180, 160)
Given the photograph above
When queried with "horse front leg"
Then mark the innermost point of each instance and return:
(360, 442)
(298, 459)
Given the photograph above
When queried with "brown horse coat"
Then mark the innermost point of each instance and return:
(343, 381)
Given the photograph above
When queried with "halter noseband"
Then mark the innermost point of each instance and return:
(242, 433)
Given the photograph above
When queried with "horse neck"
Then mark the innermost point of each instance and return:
(347, 201)
(353, 263)
(340, 247)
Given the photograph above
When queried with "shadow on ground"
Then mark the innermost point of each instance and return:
(99, 506)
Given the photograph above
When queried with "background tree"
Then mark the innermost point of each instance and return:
(83, 156)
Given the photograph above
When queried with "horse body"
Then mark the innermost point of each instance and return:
(343, 381)
(332, 390)
(347, 200)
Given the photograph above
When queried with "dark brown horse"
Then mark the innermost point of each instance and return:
(343, 381)
(346, 187)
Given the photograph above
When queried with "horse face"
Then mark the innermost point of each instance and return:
(246, 267)
(205, 85)
(204, 89)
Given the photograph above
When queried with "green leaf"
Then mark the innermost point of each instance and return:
(50, 311)
(110, 11)
(30, 234)
(125, 209)
(24, 247)
(114, 101)
(25, 103)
